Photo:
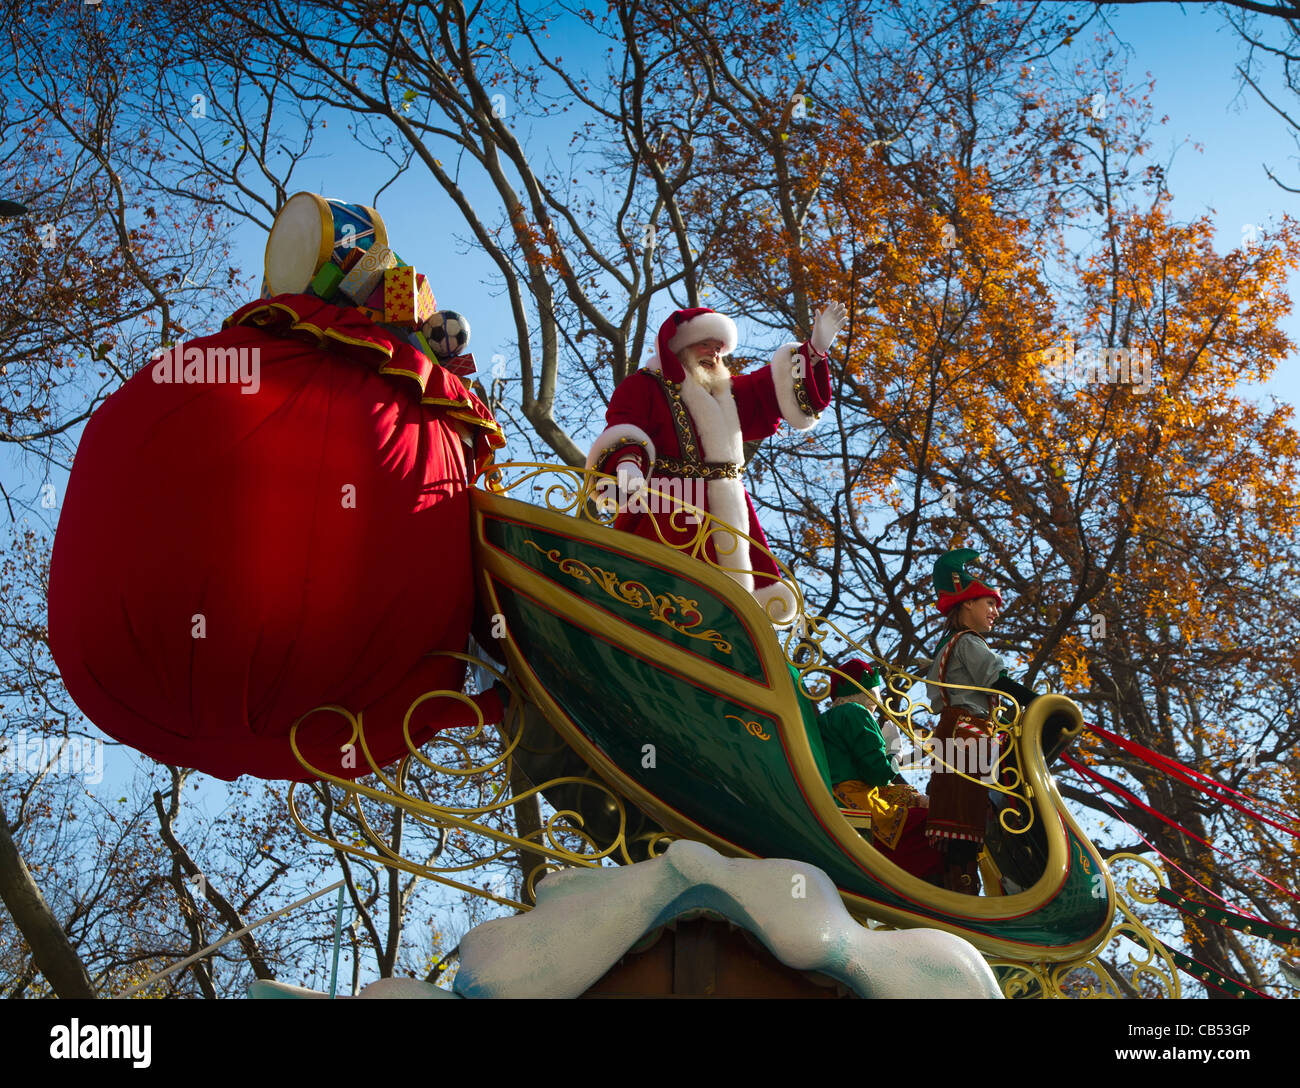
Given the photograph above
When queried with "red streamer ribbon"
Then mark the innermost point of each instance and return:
(1198, 781)
(1119, 790)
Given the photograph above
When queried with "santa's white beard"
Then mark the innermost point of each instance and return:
(711, 379)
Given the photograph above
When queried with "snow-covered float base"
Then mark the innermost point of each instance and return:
(587, 919)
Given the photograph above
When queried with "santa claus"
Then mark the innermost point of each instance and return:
(675, 431)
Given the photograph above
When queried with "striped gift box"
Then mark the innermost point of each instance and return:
(368, 273)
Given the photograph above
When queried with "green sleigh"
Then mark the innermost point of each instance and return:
(667, 680)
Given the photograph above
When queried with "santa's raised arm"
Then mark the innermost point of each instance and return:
(679, 424)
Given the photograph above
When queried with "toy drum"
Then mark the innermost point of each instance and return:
(311, 231)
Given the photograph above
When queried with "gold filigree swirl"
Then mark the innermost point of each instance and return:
(662, 606)
(751, 727)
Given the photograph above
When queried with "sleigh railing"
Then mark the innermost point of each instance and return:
(806, 637)
(459, 796)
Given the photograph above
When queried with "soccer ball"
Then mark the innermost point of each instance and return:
(447, 333)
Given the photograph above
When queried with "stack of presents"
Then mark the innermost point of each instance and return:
(349, 263)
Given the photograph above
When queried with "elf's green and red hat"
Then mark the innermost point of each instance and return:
(857, 675)
(954, 585)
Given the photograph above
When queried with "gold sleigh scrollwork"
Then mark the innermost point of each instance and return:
(1149, 971)
(751, 727)
(460, 788)
(662, 606)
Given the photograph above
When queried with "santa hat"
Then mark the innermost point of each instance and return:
(857, 675)
(687, 327)
(954, 585)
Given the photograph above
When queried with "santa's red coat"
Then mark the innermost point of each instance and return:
(654, 420)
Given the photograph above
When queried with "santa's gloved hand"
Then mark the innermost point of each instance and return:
(630, 481)
(827, 325)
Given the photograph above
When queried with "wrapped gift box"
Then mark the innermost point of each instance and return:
(373, 306)
(400, 295)
(368, 273)
(461, 365)
(325, 284)
(348, 258)
(425, 347)
(425, 306)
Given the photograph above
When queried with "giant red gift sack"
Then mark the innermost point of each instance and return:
(240, 546)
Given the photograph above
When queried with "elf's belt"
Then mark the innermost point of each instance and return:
(696, 470)
(960, 717)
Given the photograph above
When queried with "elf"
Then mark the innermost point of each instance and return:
(966, 748)
(863, 774)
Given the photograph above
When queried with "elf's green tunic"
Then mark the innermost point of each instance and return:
(846, 741)
(855, 748)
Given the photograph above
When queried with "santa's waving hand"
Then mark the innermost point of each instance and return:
(680, 422)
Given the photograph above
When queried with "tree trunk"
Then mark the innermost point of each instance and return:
(51, 949)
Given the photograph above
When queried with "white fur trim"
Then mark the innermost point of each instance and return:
(716, 422)
(727, 504)
(654, 363)
(705, 327)
(783, 378)
(613, 436)
(718, 426)
(862, 698)
(778, 603)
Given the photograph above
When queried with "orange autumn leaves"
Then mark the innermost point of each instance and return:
(954, 318)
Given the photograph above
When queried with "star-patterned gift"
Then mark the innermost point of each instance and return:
(400, 297)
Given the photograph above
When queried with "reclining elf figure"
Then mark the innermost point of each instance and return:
(865, 774)
(964, 740)
(861, 772)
